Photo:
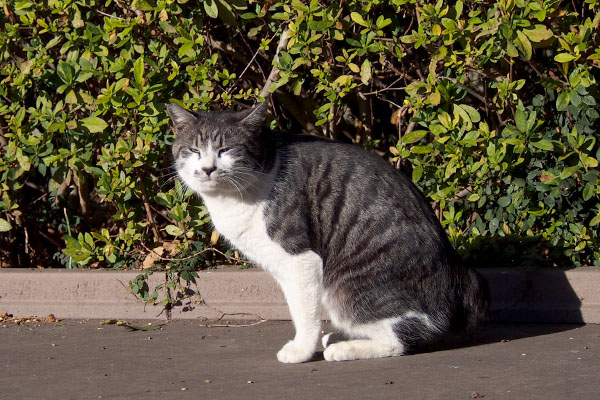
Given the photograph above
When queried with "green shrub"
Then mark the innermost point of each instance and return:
(490, 106)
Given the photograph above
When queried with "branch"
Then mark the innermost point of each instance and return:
(468, 89)
(148, 210)
(283, 40)
(256, 54)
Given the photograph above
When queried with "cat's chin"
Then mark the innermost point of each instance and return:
(213, 188)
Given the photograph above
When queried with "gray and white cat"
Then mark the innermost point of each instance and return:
(337, 227)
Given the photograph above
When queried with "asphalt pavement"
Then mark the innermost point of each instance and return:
(86, 359)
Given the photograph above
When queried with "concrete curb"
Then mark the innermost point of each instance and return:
(518, 295)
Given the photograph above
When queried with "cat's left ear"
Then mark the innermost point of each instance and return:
(180, 116)
(254, 117)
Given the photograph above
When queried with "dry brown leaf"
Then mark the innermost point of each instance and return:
(165, 250)
(396, 117)
(50, 318)
(214, 237)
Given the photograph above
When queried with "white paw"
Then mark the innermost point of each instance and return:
(294, 352)
(340, 351)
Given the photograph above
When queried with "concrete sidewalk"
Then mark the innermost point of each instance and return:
(86, 360)
(518, 295)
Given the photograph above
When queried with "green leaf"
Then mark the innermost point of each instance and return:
(562, 101)
(539, 33)
(474, 197)
(521, 119)
(94, 124)
(413, 136)
(53, 42)
(564, 57)
(417, 173)
(588, 192)
(23, 160)
(365, 72)
(65, 72)
(185, 48)
(435, 98)
(285, 17)
(138, 71)
(141, 5)
(71, 97)
(356, 17)
(421, 149)
(511, 50)
(590, 162)
(524, 45)
(472, 112)
(210, 6)
(5, 226)
(319, 26)
(460, 111)
(493, 226)
(504, 201)
(299, 6)
(173, 230)
(543, 144)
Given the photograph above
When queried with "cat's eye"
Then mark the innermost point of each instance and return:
(194, 150)
(223, 150)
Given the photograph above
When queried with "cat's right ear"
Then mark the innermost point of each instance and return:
(180, 116)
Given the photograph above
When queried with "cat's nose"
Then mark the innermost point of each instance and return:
(209, 170)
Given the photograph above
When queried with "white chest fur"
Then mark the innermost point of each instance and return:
(243, 224)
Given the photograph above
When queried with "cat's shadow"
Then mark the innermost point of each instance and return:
(525, 302)
(493, 333)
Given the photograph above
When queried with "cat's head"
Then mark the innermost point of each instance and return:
(220, 151)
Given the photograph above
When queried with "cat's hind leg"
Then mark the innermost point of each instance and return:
(385, 338)
(362, 349)
(375, 340)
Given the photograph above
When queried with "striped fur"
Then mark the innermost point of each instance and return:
(334, 225)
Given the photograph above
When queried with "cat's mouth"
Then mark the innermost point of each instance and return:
(208, 181)
(202, 177)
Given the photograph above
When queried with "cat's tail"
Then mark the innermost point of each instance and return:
(474, 303)
(478, 299)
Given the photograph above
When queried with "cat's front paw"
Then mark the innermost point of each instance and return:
(294, 352)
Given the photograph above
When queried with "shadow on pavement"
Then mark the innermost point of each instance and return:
(525, 302)
(493, 333)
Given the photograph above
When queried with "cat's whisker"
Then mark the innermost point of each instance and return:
(245, 181)
(233, 183)
(168, 181)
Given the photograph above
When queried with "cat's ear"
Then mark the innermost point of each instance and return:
(180, 116)
(254, 117)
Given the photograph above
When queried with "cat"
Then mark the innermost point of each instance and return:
(336, 226)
